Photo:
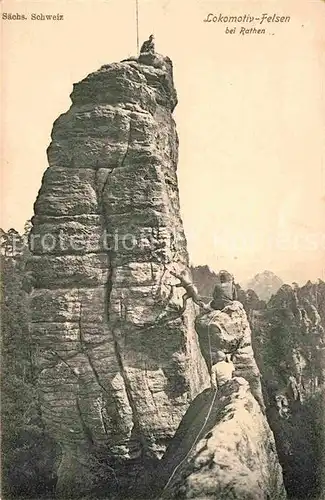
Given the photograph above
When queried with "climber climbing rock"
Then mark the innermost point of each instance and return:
(224, 292)
(222, 370)
(148, 45)
(191, 292)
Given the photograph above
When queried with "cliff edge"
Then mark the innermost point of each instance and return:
(223, 449)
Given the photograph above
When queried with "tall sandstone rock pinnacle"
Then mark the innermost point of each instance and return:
(118, 362)
(118, 367)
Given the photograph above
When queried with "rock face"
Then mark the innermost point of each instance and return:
(223, 449)
(289, 343)
(117, 365)
(228, 330)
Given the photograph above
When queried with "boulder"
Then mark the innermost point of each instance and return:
(223, 449)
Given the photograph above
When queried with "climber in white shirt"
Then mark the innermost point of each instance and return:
(222, 370)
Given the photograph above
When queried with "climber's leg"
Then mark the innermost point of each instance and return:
(181, 309)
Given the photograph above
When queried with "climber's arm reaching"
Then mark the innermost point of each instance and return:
(191, 291)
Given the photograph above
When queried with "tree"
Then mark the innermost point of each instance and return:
(27, 452)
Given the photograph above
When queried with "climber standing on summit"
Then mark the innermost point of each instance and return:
(148, 45)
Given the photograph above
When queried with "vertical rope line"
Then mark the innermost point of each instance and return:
(137, 22)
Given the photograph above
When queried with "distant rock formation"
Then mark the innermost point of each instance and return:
(289, 342)
(291, 338)
(264, 284)
(314, 295)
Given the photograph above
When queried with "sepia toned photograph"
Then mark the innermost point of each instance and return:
(162, 250)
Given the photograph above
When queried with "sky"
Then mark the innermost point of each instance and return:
(250, 118)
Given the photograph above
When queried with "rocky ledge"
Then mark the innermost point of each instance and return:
(223, 449)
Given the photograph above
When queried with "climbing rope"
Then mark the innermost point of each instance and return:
(205, 420)
(137, 22)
